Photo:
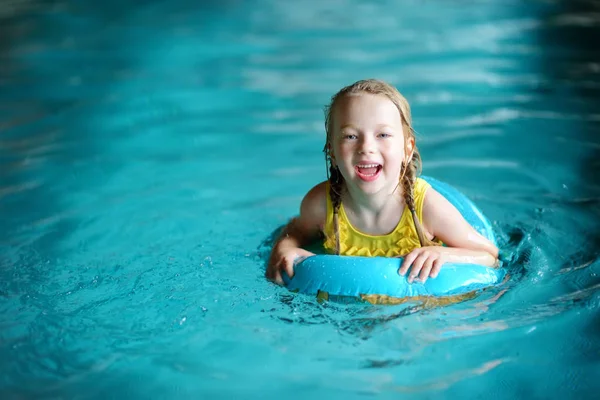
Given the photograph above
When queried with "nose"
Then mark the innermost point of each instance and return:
(366, 145)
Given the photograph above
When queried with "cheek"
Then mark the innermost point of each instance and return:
(342, 150)
(395, 150)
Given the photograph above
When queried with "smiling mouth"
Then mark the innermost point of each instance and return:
(368, 172)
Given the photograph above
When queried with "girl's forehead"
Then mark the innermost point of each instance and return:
(366, 108)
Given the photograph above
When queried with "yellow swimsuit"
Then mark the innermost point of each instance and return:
(400, 242)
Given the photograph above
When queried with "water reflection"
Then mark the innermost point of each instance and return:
(115, 112)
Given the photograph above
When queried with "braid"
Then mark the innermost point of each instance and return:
(335, 192)
(408, 181)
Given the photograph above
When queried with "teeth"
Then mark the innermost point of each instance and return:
(368, 165)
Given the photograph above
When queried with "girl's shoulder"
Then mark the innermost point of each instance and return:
(314, 204)
(440, 217)
(433, 202)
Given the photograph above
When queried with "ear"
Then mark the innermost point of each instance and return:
(409, 149)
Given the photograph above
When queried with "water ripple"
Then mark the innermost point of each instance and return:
(146, 153)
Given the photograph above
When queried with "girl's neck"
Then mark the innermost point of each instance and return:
(376, 204)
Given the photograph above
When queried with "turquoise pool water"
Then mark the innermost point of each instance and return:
(147, 154)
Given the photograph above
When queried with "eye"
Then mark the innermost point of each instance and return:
(349, 136)
(384, 135)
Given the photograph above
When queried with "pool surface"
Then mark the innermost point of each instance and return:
(148, 153)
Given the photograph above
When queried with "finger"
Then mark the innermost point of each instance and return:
(288, 266)
(274, 275)
(306, 253)
(427, 265)
(273, 272)
(437, 266)
(416, 267)
(408, 260)
(277, 278)
(302, 255)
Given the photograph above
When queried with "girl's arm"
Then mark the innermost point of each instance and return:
(465, 245)
(300, 231)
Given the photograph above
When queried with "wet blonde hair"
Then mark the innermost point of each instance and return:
(409, 170)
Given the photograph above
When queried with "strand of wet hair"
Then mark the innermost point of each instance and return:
(335, 193)
(408, 182)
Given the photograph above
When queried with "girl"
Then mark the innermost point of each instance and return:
(372, 203)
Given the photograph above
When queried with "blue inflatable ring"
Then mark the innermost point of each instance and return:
(353, 276)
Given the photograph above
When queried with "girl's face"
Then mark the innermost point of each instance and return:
(368, 143)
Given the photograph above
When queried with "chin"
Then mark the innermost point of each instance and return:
(370, 187)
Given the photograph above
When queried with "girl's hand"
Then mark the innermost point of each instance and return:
(299, 232)
(283, 260)
(425, 261)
